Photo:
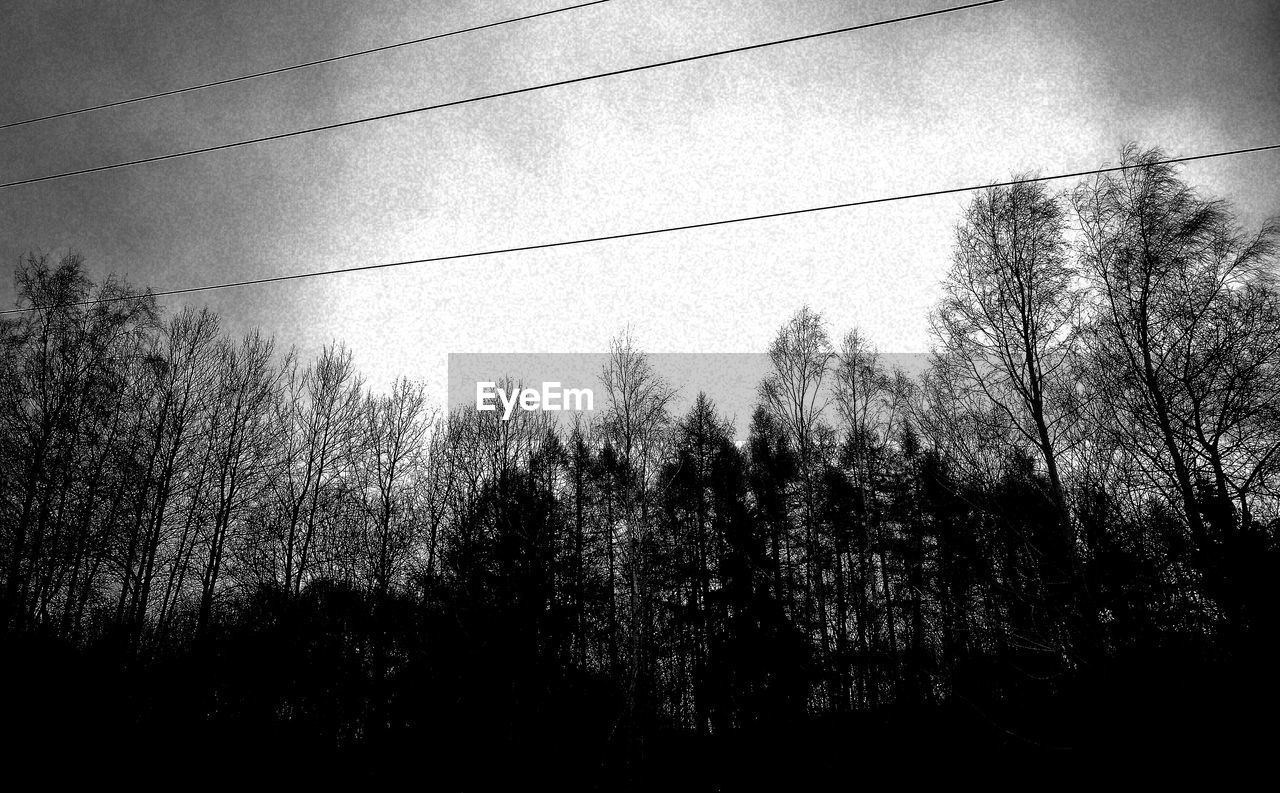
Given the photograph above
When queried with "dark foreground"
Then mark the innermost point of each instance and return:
(72, 717)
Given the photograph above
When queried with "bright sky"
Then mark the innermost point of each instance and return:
(1047, 85)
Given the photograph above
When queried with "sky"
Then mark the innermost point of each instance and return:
(965, 98)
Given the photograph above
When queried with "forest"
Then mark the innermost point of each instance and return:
(1059, 541)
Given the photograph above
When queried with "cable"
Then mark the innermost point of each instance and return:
(513, 92)
(306, 65)
(664, 230)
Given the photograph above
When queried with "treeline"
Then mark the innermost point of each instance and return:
(1073, 507)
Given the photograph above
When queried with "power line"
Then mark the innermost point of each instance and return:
(663, 230)
(296, 66)
(513, 92)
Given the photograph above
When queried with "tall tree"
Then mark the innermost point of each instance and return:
(1006, 319)
(793, 392)
(1168, 266)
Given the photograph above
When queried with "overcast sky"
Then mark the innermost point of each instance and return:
(1047, 85)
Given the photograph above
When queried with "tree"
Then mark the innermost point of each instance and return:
(241, 437)
(793, 393)
(66, 370)
(321, 411)
(1006, 329)
(634, 426)
(1183, 315)
(1006, 320)
(177, 385)
(389, 455)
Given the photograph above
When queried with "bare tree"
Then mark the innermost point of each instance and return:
(183, 362)
(635, 424)
(321, 410)
(1006, 321)
(390, 452)
(240, 435)
(1183, 324)
(793, 393)
(1183, 344)
(64, 401)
